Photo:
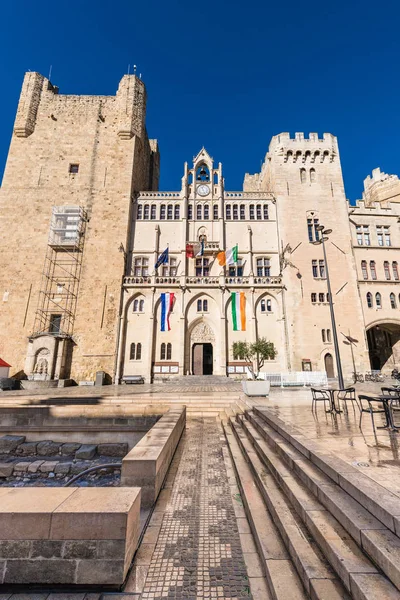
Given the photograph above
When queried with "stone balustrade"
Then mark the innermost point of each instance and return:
(221, 281)
(68, 536)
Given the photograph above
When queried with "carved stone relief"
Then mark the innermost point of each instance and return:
(202, 333)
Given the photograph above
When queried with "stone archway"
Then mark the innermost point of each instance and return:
(202, 344)
(384, 346)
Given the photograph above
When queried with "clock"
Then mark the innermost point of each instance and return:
(203, 190)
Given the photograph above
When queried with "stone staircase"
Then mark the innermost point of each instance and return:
(323, 530)
(200, 380)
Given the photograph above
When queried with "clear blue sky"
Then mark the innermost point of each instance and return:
(227, 75)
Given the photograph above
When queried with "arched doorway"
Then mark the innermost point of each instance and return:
(330, 373)
(202, 341)
(384, 346)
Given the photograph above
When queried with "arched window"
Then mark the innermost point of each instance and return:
(141, 306)
(313, 297)
(321, 297)
(263, 306)
(387, 270)
(206, 212)
(328, 335)
(162, 212)
(177, 212)
(369, 300)
(153, 215)
(202, 173)
(132, 353)
(251, 209)
(139, 212)
(135, 305)
(190, 211)
(323, 335)
(169, 212)
(169, 351)
(162, 352)
(269, 306)
(199, 212)
(228, 212)
(215, 212)
(312, 178)
(235, 212)
(265, 211)
(141, 266)
(205, 305)
(242, 212)
(302, 175)
(392, 300)
(373, 269)
(258, 209)
(395, 271)
(378, 300)
(364, 269)
(139, 352)
(146, 212)
(199, 305)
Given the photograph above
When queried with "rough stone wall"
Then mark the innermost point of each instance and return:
(106, 136)
(306, 177)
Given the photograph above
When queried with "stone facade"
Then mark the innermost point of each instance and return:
(92, 152)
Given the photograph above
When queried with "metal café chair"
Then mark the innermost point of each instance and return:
(366, 405)
(393, 392)
(347, 395)
(320, 396)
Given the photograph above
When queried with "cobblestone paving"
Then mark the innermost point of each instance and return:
(198, 553)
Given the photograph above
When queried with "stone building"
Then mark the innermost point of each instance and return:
(83, 225)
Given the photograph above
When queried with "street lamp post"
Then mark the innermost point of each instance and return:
(324, 233)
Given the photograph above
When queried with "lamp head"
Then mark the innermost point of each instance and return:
(317, 242)
(327, 231)
(319, 227)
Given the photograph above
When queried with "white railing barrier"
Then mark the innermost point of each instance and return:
(293, 378)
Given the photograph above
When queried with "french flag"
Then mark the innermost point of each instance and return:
(167, 301)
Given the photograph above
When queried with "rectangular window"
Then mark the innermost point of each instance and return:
(55, 324)
(313, 233)
(321, 297)
(265, 210)
(252, 212)
(202, 267)
(379, 234)
(364, 269)
(169, 212)
(198, 212)
(228, 212)
(170, 270)
(215, 209)
(315, 268)
(372, 269)
(74, 168)
(322, 269)
(206, 212)
(360, 239)
(313, 298)
(263, 267)
(153, 212)
(258, 209)
(235, 212)
(387, 270)
(236, 270)
(242, 212)
(387, 236)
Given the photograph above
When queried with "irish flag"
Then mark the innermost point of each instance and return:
(228, 257)
(167, 301)
(238, 311)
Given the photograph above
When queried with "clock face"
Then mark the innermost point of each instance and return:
(203, 190)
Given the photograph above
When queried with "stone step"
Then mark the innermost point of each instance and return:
(371, 535)
(379, 501)
(358, 574)
(314, 571)
(277, 566)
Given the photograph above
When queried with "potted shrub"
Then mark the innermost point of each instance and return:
(255, 354)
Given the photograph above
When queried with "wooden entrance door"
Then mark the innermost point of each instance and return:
(330, 373)
(202, 359)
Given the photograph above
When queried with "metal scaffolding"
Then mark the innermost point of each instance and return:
(58, 294)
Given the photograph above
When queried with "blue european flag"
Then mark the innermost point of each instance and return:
(162, 259)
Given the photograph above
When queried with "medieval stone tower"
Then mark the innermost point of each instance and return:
(73, 167)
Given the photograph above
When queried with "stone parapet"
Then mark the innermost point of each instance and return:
(69, 536)
(147, 463)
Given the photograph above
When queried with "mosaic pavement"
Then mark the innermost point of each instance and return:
(198, 552)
